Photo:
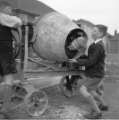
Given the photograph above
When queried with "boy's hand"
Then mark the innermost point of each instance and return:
(73, 60)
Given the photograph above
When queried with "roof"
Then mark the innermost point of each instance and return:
(84, 22)
(33, 6)
(30, 6)
(19, 11)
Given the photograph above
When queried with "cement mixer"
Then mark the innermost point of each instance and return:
(55, 32)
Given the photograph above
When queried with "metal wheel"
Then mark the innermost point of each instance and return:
(11, 98)
(36, 103)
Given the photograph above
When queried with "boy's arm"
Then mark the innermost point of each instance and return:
(90, 60)
(10, 21)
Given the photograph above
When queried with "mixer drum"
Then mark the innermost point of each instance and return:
(55, 32)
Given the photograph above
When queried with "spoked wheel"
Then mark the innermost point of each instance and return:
(36, 103)
(63, 86)
(11, 97)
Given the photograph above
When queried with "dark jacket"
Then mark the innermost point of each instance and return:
(95, 60)
(5, 39)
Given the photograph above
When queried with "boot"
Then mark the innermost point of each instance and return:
(93, 115)
(103, 107)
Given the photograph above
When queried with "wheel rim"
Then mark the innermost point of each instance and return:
(37, 103)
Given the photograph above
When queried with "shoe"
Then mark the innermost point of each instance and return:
(93, 115)
(103, 107)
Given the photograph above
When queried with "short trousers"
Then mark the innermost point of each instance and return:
(90, 83)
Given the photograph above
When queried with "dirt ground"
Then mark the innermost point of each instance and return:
(61, 107)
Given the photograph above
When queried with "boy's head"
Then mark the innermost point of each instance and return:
(99, 31)
(5, 7)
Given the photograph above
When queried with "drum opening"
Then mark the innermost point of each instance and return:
(75, 33)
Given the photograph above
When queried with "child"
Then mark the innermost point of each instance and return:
(94, 72)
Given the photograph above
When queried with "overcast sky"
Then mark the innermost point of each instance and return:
(97, 11)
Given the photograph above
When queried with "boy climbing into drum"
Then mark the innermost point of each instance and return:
(94, 72)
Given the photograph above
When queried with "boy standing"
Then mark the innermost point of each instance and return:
(94, 72)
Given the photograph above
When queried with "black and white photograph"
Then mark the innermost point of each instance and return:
(59, 59)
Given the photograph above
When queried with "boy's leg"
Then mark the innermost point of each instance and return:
(100, 88)
(98, 93)
(102, 105)
(98, 97)
(95, 113)
(84, 85)
(84, 92)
